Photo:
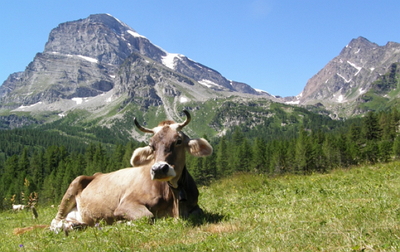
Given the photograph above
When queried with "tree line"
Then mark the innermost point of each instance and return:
(48, 171)
(371, 139)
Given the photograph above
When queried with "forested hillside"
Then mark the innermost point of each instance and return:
(44, 162)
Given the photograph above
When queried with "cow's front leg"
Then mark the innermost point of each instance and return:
(132, 211)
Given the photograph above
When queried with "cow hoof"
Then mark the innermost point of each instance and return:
(56, 226)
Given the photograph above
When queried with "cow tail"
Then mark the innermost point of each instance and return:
(18, 231)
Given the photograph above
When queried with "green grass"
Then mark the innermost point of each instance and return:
(346, 210)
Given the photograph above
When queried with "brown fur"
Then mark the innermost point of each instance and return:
(166, 123)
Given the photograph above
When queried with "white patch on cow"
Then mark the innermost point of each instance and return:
(56, 225)
(157, 129)
(174, 126)
(74, 216)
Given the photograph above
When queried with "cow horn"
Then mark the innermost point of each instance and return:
(187, 121)
(141, 128)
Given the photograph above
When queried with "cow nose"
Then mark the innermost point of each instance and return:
(163, 168)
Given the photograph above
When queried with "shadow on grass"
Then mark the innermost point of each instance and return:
(205, 218)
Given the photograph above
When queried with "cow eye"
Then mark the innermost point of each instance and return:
(179, 142)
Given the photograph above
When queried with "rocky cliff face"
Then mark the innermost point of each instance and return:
(99, 54)
(351, 73)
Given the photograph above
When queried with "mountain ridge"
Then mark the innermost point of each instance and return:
(103, 72)
(105, 42)
(349, 75)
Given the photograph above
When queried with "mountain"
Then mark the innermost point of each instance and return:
(104, 69)
(349, 75)
(83, 58)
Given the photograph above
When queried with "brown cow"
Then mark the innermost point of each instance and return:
(158, 185)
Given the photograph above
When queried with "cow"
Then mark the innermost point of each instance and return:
(17, 207)
(158, 185)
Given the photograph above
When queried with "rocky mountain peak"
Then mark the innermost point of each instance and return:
(100, 54)
(351, 73)
(101, 37)
(109, 21)
(358, 46)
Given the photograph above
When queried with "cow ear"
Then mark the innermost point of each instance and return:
(141, 156)
(199, 147)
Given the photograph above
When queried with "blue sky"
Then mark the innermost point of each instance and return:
(271, 45)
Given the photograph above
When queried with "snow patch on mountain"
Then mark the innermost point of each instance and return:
(341, 76)
(90, 59)
(208, 83)
(169, 60)
(79, 100)
(260, 90)
(355, 66)
(340, 99)
(183, 99)
(29, 106)
(135, 34)
(295, 102)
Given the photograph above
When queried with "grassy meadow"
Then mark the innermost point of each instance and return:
(346, 210)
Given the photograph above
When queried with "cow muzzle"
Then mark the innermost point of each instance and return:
(162, 171)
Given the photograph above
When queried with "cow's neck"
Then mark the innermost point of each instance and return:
(175, 181)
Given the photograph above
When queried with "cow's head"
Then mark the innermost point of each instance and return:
(166, 150)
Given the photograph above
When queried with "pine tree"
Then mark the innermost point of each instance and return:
(259, 154)
(129, 148)
(222, 164)
(277, 158)
(304, 153)
(354, 142)
(396, 147)
(385, 150)
(116, 160)
(37, 168)
(289, 154)
(370, 129)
